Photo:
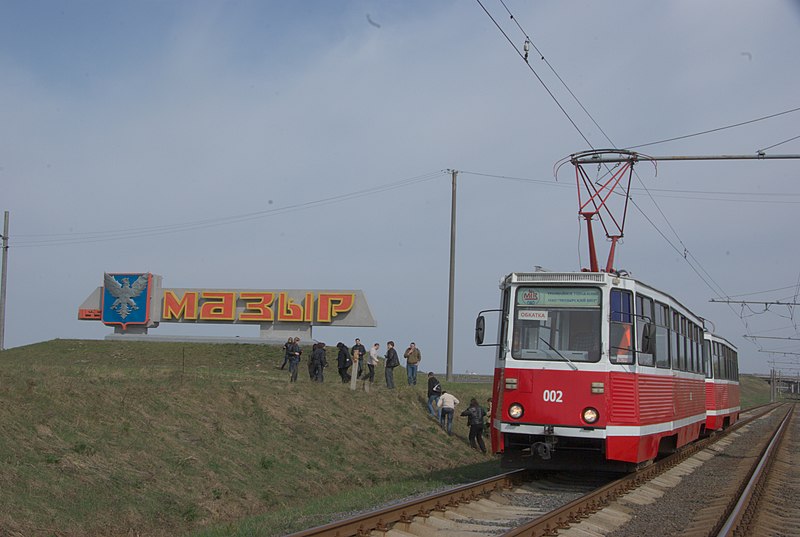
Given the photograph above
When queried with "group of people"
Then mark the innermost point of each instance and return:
(441, 403)
(316, 364)
(347, 356)
(442, 407)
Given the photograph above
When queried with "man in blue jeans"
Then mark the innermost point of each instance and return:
(413, 358)
(434, 391)
(447, 404)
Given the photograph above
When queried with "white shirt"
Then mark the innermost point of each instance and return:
(373, 356)
(448, 401)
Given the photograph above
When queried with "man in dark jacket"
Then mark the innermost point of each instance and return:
(362, 350)
(286, 352)
(343, 361)
(475, 415)
(294, 352)
(392, 361)
(319, 362)
(434, 391)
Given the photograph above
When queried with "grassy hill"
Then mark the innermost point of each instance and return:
(755, 391)
(135, 438)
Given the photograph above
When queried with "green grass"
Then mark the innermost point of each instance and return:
(324, 509)
(754, 391)
(126, 438)
(101, 438)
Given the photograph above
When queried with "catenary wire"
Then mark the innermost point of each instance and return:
(532, 70)
(113, 235)
(685, 254)
(661, 192)
(717, 130)
(541, 55)
(779, 143)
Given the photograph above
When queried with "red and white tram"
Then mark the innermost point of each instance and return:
(722, 383)
(598, 369)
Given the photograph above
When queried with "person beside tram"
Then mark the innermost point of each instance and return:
(475, 415)
(447, 409)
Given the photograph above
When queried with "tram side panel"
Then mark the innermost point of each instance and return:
(690, 403)
(722, 403)
(646, 408)
(635, 403)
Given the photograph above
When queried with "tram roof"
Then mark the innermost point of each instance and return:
(596, 278)
(715, 337)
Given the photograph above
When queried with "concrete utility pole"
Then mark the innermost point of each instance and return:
(451, 298)
(3, 284)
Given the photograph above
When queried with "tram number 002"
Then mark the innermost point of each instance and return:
(553, 396)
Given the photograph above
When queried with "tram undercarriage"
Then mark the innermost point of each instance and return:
(550, 452)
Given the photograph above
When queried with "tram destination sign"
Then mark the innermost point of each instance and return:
(558, 297)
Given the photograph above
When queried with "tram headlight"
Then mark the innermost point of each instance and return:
(590, 415)
(515, 411)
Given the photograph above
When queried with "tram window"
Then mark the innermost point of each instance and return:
(662, 336)
(678, 362)
(726, 373)
(707, 358)
(695, 367)
(701, 346)
(698, 351)
(645, 331)
(724, 363)
(621, 306)
(684, 344)
(570, 334)
(557, 324)
(701, 364)
(621, 328)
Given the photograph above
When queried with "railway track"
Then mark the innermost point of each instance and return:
(518, 503)
(768, 504)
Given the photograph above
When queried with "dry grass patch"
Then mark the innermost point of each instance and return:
(116, 438)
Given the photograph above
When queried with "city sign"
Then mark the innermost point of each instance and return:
(134, 302)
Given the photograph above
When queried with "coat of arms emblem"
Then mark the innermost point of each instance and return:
(126, 298)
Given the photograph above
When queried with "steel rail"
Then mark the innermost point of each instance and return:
(592, 502)
(382, 519)
(740, 513)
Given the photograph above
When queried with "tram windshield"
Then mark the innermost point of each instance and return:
(557, 324)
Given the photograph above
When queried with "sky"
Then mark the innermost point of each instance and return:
(287, 145)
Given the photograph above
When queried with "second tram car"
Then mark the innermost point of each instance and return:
(722, 383)
(597, 369)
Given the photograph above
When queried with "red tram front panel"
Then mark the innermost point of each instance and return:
(555, 397)
(635, 410)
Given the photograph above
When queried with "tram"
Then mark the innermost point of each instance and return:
(594, 368)
(722, 382)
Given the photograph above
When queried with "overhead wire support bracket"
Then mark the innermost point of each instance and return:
(607, 156)
(593, 197)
